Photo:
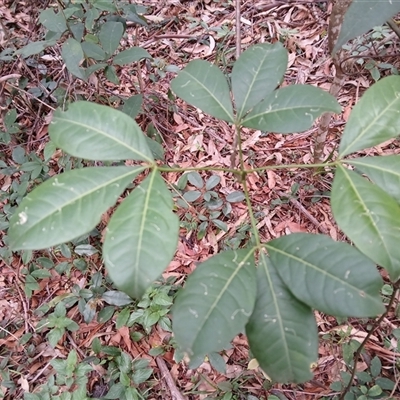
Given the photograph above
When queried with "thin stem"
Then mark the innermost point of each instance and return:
(370, 333)
(238, 31)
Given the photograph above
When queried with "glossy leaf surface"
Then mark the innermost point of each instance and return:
(67, 206)
(203, 85)
(384, 171)
(291, 109)
(96, 132)
(215, 303)
(375, 118)
(141, 237)
(369, 217)
(330, 276)
(282, 332)
(257, 72)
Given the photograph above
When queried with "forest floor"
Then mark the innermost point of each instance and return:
(284, 202)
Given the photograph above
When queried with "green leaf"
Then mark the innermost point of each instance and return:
(35, 47)
(257, 72)
(383, 171)
(217, 362)
(67, 206)
(110, 35)
(369, 217)
(116, 298)
(96, 132)
(235, 197)
(111, 74)
(94, 51)
(195, 179)
(133, 105)
(212, 181)
(72, 54)
(332, 277)
(282, 332)
(375, 118)
(203, 85)
(363, 15)
(291, 109)
(55, 335)
(141, 237)
(215, 303)
(192, 195)
(130, 55)
(52, 21)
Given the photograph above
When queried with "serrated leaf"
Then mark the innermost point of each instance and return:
(116, 298)
(363, 15)
(94, 51)
(110, 35)
(130, 55)
(72, 54)
(133, 105)
(195, 179)
(52, 21)
(215, 303)
(369, 217)
(330, 276)
(374, 119)
(282, 332)
(67, 206)
(257, 72)
(141, 237)
(203, 85)
(235, 197)
(96, 132)
(291, 109)
(384, 171)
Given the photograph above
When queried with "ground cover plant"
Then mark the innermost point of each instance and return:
(226, 295)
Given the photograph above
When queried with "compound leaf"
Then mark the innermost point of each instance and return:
(282, 332)
(257, 72)
(141, 237)
(203, 85)
(67, 206)
(215, 303)
(375, 118)
(97, 132)
(369, 217)
(330, 276)
(291, 109)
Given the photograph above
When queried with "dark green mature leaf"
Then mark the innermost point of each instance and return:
(110, 35)
(257, 72)
(215, 303)
(133, 105)
(67, 206)
(130, 55)
(93, 50)
(369, 217)
(96, 132)
(141, 237)
(35, 47)
(291, 109)
(52, 21)
(332, 277)
(383, 171)
(203, 85)
(375, 118)
(363, 15)
(282, 331)
(72, 54)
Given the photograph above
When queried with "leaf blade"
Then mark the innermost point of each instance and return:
(110, 35)
(130, 55)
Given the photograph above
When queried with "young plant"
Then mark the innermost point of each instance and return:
(227, 294)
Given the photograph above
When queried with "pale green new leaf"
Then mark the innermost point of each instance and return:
(130, 55)
(203, 85)
(215, 303)
(72, 54)
(141, 237)
(67, 206)
(369, 217)
(282, 332)
(330, 276)
(384, 171)
(291, 109)
(110, 35)
(257, 72)
(363, 15)
(96, 132)
(375, 118)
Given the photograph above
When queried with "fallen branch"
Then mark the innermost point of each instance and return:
(165, 374)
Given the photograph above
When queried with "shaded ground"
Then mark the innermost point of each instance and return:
(286, 202)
